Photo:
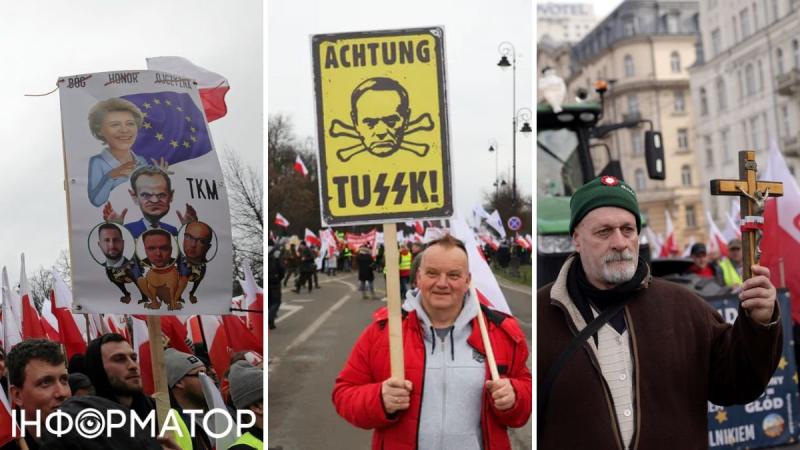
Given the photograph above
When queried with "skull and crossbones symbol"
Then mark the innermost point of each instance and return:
(380, 116)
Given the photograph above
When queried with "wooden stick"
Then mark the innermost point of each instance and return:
(161, 394)
(487, 344)
(22, 444)
(393, 303)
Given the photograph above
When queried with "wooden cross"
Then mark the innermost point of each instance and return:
(753, 195)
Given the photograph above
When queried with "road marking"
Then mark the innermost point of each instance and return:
(287, 311)
(316, 324)
(303, 300)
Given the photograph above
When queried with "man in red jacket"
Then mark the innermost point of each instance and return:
(447, 400)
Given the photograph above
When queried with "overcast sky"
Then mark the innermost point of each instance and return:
(479, 92)
(40, 43)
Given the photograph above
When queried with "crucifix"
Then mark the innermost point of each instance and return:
(753, 194)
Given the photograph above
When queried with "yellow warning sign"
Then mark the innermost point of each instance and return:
(382, 126)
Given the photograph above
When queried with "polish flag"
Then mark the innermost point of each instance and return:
(483, 279)
(49, 321)
(300, 167)
(419, 227)
(193, 328)
(212, 86)
(239, 337)
(281, 221)
(687, 251)
(216, 342)
(6, 423)
(12, 335)
(670, 247)
(253, 302)
(716, 241)
(652, 240)
(732, 231)
(141, 344)
(522, 242)
(312, 239)
(72, 338)
(31, 322)
(780, 243)
(175, 330)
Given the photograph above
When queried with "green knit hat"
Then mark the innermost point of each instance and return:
(603, 191)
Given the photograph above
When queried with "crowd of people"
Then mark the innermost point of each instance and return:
(39, 378)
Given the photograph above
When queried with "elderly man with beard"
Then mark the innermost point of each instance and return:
(644, 378)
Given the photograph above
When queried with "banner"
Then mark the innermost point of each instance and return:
(355, 241)
(382, 125)
(772, 419)
(148, 210)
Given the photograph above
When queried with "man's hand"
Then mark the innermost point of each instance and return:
(758, 295)
(189, 216)
(109, 215)
(396, 395)
(502, 393)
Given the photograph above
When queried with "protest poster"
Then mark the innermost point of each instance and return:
(382, 125)
(149, 222)
(772, 419)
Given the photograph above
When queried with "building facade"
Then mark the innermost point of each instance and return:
(643, 49)
(746, 88)
(564, 22)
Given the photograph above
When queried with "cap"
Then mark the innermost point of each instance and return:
(735, 243)
(603, 191)
(698, 248)
(179, 364)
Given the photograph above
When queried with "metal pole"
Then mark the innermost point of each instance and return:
(514, 128)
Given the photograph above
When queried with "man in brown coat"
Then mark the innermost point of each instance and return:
(643, 380)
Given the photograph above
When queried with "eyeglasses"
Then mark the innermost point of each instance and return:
(146, 196)
(191, 238)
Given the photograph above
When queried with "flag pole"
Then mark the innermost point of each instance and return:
(161, 394)
(487, 344)
(393, 303)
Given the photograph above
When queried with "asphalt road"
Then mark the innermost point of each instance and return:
(314, 335)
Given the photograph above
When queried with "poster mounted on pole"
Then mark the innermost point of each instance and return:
(149, 222)
(382, 126)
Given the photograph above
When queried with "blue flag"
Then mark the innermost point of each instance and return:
(173, 127)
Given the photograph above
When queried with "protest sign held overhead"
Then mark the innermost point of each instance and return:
(148, 210)
(382, 125)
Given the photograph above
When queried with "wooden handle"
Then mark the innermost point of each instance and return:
(393, 303)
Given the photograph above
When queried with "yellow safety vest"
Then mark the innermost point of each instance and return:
(182, 438)
(250, 441)
(405, 261)
(729, 273)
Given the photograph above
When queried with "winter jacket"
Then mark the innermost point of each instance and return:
(683, 355)
(357, 393)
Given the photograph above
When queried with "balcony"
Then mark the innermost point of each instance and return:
(789, 82)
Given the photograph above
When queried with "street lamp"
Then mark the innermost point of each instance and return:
(494, 147)
(507, 50)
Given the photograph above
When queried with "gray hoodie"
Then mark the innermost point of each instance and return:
(450, 416)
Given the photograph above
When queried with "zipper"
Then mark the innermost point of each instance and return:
(444, 388)
(422, 382)
(606, 390)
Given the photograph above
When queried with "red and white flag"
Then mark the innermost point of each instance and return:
(49, 320)
(312, 239)
(31, 322)
(71, 336)
(216, 342)
(12, 335)
(239, 337)
(281, 221)
(716, 241)
(780, 243)
(175, 330)
(670, 246)
(141, 344)
(687, 251)
(253, 302)
(212, 86)
(522, 242)
(300, 167)
(483, 279)
(488, 239)
(6, 422)
(653, 242)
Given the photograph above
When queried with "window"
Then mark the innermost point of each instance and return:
(755, 18)
(750, 80)
(683, 139)
(754, 132)
(675, 62)
(628, 26)
(775, 12)
(636, 143)
(724, 142)
(779, 55)
(629, 69)
(691, 220)
(640, 180)
(686, 175)
(741, 85)
(744, 21)
(722, 94)
(716, 43)
(703, 102)
(735, 30)
(680, 105)
(745, 135)
(796, 53)
(672, 22)
(633, 104)
(760, 76)
(709, 151)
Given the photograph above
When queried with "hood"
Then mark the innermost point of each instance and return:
(96, 372)
(462, 324)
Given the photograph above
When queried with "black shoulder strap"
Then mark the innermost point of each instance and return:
(576, 343)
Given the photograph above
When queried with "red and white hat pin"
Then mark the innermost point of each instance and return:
(608, 180)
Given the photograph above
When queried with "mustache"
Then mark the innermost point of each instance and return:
(614, 256)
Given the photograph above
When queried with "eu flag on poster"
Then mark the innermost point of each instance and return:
(173, 127)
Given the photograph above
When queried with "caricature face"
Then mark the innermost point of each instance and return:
(111, 243)
(197, 241)
(158, 248)
(153, 196)
(119, 130)
(380, 121)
